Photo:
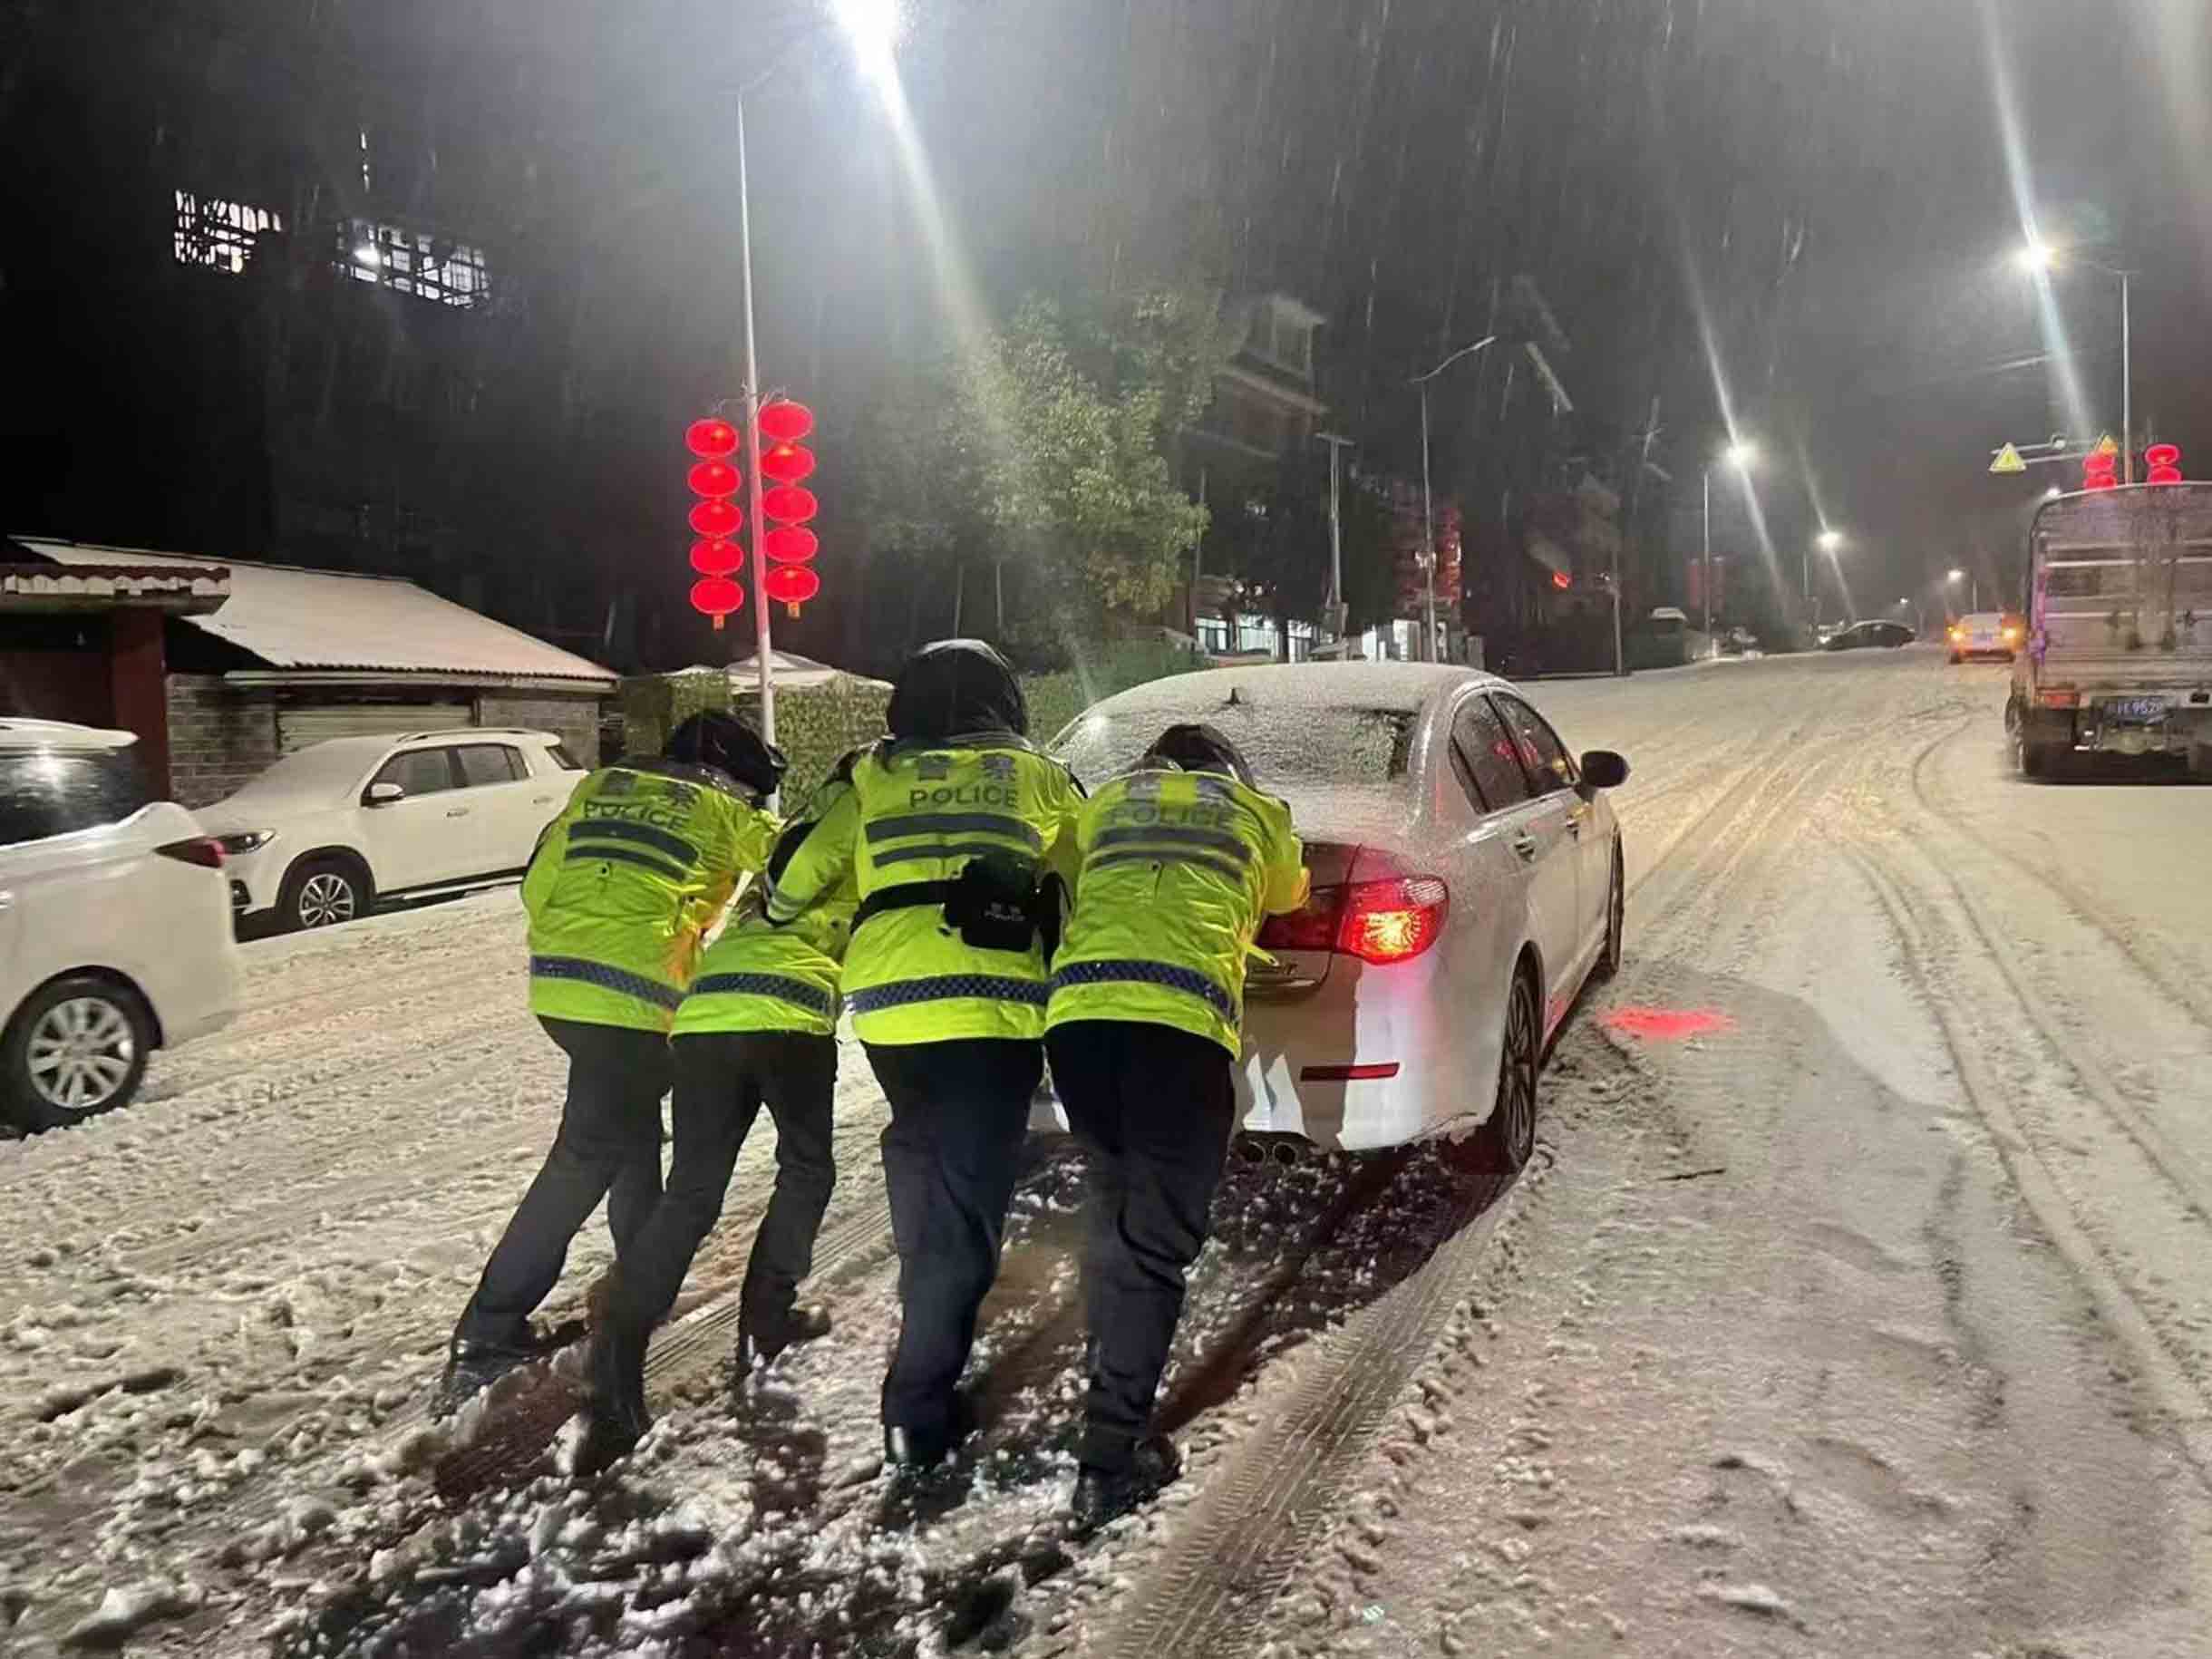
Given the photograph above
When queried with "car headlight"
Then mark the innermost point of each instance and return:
(2011, 632)
(246, 841)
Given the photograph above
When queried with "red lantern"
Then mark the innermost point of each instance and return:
(711, 556)
(711, 440)
(716, 596)
(713, 478)
(716, 520)
(787, 463)
(785, 422)
(2097, 467)
(791, 544)
(789, 504)
(791, 586)
(2164, 460)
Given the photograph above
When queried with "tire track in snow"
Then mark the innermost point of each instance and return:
(2166, 1369)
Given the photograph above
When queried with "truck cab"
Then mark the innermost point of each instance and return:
(2119, 608)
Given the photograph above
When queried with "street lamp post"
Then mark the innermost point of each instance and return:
(2038, 256)
(1337, 611)
(1829, 540)
(1428, 513)
(1740, 455)
(869, 26)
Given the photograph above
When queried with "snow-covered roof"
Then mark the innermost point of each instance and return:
(322, 620)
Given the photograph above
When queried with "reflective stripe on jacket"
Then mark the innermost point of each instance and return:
(623, 883)
(762, 976)
(1178, 868)
(920, 814)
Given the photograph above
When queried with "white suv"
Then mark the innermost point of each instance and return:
(114, 924)
(327, 834)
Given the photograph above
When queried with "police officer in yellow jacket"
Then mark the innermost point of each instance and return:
(1181, 859)
(951, 830)
(621, 887)
(757, 1029)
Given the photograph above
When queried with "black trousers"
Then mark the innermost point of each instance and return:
(722, 1079)
(959, 1111)
(608, 1147)
(1154, 1108)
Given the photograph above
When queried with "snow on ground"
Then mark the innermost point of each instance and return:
(1869, 1320)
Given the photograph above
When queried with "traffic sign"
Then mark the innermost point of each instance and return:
(2008, 461)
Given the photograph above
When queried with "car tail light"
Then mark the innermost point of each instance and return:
(1393, 920)
(202, 849)
(1386, 921)
(1313, 928)
(2059, 699)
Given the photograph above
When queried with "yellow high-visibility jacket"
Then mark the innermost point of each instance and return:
(759, 975)
(626, 882)
(919, 814)
(1179, 869)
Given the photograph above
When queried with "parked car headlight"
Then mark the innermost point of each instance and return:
(246, 841)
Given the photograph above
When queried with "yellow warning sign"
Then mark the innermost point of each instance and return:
(2106, 445)
(2008, 461)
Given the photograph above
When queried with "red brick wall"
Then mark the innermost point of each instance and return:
(218, 737)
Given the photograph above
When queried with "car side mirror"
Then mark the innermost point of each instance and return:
(381, 794)
(1602, 770)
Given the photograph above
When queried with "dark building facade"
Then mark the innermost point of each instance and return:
(326, 283)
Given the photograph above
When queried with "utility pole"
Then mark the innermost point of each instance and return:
(1338, 611)
(761, 642)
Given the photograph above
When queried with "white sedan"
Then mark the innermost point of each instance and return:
(1467, 882)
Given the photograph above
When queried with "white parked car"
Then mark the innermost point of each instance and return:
(114, 924)
(328, 833)
(1467, 881)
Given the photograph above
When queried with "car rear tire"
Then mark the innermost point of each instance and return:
(1617, 914)
(322, 893)
(2037, 760)
(78, 1047)
(1502, 1145)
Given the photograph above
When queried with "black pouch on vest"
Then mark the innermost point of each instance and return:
(992, 904)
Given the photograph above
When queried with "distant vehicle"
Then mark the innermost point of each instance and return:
(1467, 882)
(2119, 656)
(327, 834)
(1986, 634)
(1827, 630)
(1662, 640)
(1872, 632)
(114, 924)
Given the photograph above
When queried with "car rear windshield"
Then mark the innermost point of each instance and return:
(1298, 743)
(48, 791)
(563, 759)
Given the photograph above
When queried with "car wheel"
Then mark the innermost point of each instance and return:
(1616, 911)
(1957, 659)
(76, 1049)
(322, 893)
(2040, 761)
(1508, 1136)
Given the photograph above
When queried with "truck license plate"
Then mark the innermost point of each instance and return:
(2138, 710)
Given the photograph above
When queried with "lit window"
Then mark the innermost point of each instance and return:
(427, 266)
(220, 235)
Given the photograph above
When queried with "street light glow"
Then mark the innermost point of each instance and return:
(872, 27)
(1957, 576)
(1741, 454)
(2037, 255)
(1830, 540)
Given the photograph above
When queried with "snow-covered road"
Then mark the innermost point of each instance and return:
(1872, 1320)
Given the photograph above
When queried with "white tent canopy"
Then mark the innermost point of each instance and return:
(790, 671)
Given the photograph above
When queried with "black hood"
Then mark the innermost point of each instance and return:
(727, 744)
(953, 687)
(1201, 747)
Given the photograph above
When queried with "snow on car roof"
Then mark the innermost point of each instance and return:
(1402, 687)
(20, 734)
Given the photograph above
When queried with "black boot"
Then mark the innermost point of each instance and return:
(1105, 1495)
(919, 1450)
(761, 1341)
(615, 1415)
(473, 1363)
